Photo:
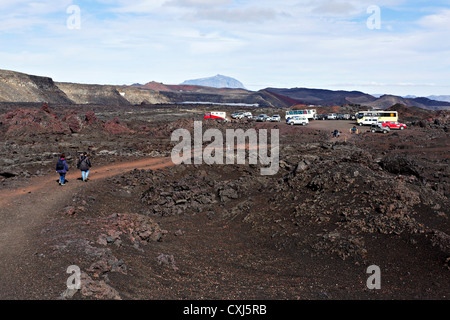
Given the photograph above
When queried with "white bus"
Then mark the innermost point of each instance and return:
(381, 115)
(309, 114)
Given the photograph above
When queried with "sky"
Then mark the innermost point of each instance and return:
(375, 46)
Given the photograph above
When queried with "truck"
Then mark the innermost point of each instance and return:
(216, 115)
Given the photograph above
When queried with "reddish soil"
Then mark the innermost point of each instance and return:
(142, 228)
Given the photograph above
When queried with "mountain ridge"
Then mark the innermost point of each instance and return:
(217, 81)
(20, 87)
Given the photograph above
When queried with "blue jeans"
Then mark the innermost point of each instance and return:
(62, 178)
(85, 174)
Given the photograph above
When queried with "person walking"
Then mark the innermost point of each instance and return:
(62, 168)
(84, 163)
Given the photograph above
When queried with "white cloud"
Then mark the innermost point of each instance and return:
(335, 7)
(139, 6)
(237, 15)
(439, 20)
(198, 3)
(263, 43)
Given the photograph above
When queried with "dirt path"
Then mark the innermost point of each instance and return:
(24, 210)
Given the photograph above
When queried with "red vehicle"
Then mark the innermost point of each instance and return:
(394, 125)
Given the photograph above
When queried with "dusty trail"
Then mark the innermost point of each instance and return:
(24, 211)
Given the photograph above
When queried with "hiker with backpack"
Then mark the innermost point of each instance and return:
(62, 168)
(84, 163)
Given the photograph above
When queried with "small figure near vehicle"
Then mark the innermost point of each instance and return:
(336, 134)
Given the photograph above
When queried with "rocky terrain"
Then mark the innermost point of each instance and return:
(158, 231)
(20, 87)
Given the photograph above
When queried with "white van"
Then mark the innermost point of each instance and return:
(368, 121)
(297, 120)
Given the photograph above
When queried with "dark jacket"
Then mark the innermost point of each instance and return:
(65, 169)
(84, 163)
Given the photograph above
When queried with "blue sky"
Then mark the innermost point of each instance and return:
(285, 43)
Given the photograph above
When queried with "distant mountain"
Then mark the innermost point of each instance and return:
(335, 98)
(440, 98)
(323, 97)
(19, 87)
(218, 81)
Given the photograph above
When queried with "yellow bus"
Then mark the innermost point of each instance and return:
(381, 115)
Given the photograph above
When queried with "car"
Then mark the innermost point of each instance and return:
(378, 127)
(297, 120)
(262, 118)
(394, 125)
(321, 117)
(347, 116)
(332, 116)
(248, 115)
(275, 118)
(237, 115)
(368, 121)
(340, 117)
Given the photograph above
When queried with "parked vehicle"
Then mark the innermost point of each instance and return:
(275, 118)
(394, 125)
(340, 117)
(237, 115)
(378, 127)
(347, 116)
(308, 113)
(262, 118)
(368, 121)
(332, 116)
(321, 117)
(248, 115)
(297, 120)
(215, 115)
(379, 114)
